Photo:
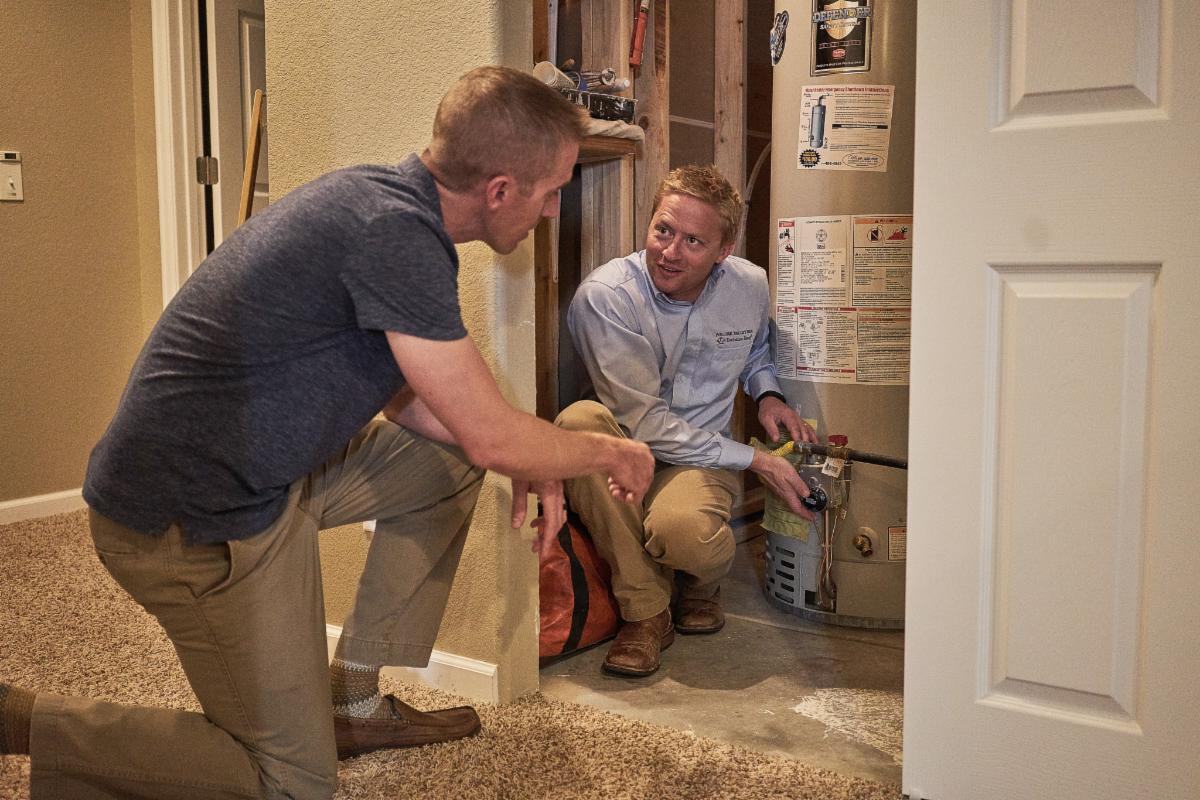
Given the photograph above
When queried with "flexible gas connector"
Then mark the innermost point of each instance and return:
(788, 448)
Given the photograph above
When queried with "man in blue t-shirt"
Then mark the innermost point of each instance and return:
(249, 423)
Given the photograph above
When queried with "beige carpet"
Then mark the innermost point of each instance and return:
(65, 627)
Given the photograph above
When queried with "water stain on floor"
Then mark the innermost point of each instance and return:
(869, 716)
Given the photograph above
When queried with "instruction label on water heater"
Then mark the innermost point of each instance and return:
(845, 127)
(843, 297)
(898, 543)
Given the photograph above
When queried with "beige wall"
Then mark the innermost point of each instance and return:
(80, 270)
(78, 258)
(352, 81)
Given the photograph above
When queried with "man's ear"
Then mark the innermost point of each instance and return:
(498, 190)
(725, 251)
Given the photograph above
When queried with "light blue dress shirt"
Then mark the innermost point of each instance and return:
(669, 370)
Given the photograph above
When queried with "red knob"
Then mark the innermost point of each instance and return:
(838, 439)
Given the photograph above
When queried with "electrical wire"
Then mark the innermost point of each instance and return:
(746, 195)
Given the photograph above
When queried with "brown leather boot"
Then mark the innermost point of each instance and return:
(637, 646)
(699, 616)
(408, 728)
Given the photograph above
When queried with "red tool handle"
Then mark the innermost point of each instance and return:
(639, 34)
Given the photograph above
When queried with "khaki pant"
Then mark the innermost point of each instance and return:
(682, 525)
(248, 623)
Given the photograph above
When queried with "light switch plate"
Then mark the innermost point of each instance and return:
(10, 176)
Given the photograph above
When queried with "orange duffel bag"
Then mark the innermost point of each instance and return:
(578, 609)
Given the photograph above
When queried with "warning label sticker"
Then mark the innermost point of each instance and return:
(898, 543)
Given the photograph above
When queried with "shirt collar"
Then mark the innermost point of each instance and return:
(422, 181)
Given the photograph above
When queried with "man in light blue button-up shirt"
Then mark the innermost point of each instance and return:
(667, 335)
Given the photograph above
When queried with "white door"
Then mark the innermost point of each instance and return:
(238, 66)
(1053, 650)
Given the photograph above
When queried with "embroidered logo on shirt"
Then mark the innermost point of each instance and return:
(734, 340)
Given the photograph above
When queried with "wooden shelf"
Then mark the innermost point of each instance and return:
(605, 148)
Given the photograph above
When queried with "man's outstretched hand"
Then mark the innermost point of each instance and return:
(630, 470)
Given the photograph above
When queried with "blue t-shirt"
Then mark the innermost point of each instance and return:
(273, 353)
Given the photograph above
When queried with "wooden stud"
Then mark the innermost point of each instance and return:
(729, 92)
(541, 31)
(607, 207)
(651, 88)
(545, 321)
(729, 155)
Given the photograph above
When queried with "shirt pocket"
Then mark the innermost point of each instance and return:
(726, 354)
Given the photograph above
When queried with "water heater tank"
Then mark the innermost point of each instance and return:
(841, 198)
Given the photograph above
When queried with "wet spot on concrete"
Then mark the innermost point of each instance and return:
(869, 716)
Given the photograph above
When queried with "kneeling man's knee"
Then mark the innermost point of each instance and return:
(687, 542)
(587, 415)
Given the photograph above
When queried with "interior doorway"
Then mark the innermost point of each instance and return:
(202, 89)
(770, 680)
(233, 67)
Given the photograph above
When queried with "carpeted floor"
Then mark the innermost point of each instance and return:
(65, 627)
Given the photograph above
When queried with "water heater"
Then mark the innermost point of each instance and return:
(841, 266)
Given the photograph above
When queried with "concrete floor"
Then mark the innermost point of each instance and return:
(756, 682)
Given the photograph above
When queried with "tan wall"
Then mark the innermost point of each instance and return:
(78, 258)
(352, 81)
(145, 158)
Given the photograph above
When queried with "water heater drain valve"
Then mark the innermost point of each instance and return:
(864, 545)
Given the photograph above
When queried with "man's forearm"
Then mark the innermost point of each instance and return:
(671, 437)
(455, 385)
(527, 448)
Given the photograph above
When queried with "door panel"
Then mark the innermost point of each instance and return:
(1051, 650)
(237, 55)
(1066, 338)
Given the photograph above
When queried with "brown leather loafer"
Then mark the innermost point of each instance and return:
(636, 649)
(409, 728)
(699, 616)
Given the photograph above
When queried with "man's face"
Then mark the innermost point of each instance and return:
(525, 206)
(682, 246)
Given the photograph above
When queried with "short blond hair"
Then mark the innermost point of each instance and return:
(708, 184)
(501, 121)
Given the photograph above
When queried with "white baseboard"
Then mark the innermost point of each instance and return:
(478, 680)
(42, 505)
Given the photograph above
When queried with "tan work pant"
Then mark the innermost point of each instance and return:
(682, 524)
(247, 620)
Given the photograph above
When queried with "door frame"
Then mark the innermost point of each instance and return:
(176, 59)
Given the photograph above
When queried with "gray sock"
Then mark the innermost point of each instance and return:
(356, 690)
